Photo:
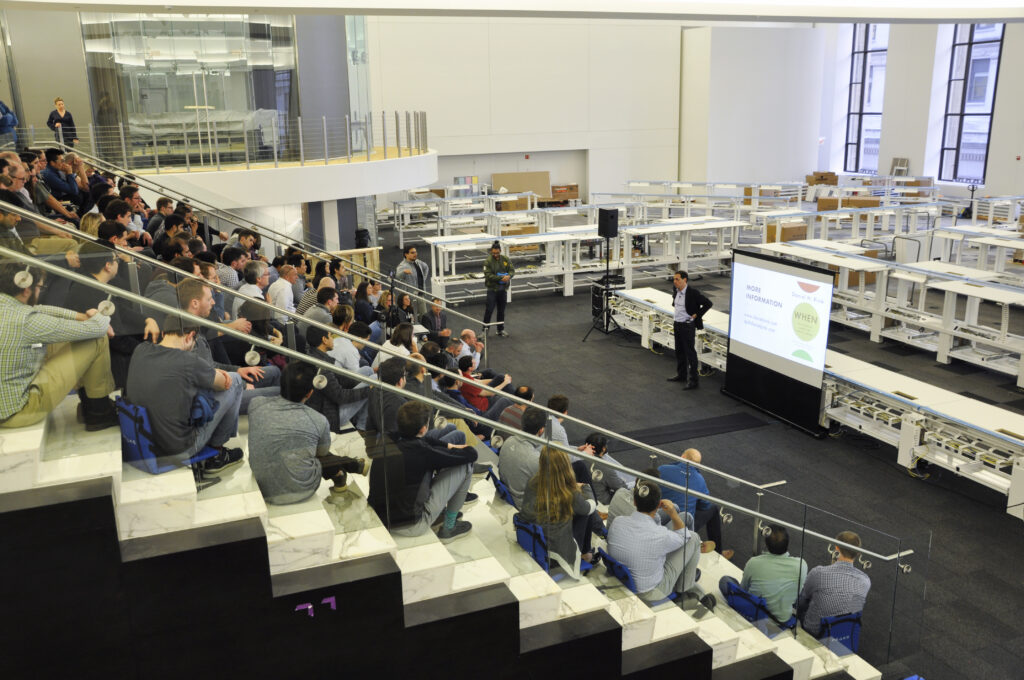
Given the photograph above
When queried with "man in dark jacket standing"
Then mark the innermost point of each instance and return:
(498, 273)
(689, 306)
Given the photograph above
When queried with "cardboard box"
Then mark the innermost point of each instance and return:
(920, 182)
(565, 192)
(820, 177)
(826, 204)
(749, 191)
(518, 204)
(792, 230)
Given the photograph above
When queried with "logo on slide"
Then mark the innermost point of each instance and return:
(806, 323)
(807, 287)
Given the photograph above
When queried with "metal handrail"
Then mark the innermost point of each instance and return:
(441, 406)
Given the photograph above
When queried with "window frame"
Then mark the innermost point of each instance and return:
(862, 50)
(966, 81)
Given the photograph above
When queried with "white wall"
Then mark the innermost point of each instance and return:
(565, 167)
(908, 96)
(763, 104)
(1005, 173)
(517, 86)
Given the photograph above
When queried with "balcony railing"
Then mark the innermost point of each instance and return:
(218, 140)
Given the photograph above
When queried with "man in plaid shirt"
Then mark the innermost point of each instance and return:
(47, 351)
(839, 588)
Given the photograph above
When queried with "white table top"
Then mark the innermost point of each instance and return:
(939, 267)
(977, 229)
(836, 260)
(669, 228)
(837, 246)
(979, 290)
(998, 241)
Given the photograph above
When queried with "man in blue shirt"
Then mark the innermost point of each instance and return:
(705, 513)
(59, 178)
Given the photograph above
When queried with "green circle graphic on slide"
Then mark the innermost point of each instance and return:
(806, 323)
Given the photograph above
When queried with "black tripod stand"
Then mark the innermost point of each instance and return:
(603, 320)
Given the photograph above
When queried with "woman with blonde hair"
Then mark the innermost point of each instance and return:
(561, 506)
(90, 224)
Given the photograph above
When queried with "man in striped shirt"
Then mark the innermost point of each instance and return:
(45, 352)
(839, 588)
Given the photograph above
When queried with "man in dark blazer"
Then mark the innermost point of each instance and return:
(689, 306)
(436, 322)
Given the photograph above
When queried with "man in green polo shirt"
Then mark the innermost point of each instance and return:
(776, 575)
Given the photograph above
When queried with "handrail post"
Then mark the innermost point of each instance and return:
(184, 136)
(275, 141)
(60, 135)
(369, 135)
(245, 143)
(92, 140)
(416, 127)
(398, 133)
(348, 136)
(216, 144)
(384, 131)
(32, 135)
(156, 156)
(323, 124)
(423, 137)
(124, 148)
(302, 149)
(408, 133)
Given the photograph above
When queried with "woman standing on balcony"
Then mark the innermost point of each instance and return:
(62, 123)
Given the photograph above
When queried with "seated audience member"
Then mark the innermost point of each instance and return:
(177, 246)
(196, 298)
(198, 245)
(129, 325)
(366, 353)
(90, 224)
(232, 261)
(435, 320)
(164, 209)
(384, 306)
(342, 406)
(470, 346)
(342, 279)
(774, 575)
(662, 560)
(244, 239)
(554, 500)
(256, 279)
(45, 352)
(384, 405)
(166, 378)
(172, 226)
(208, 271)
(290, 443)
(345, 352)
(60, 178)
(260, 327)
(163, 287)
(299, 285)
(622, 504)
(309, 295)
(453, 388)
(610, 480)
(119, 211)
(436, 480)
(41, 239)
(326, 301)
(364, 308)
(481, 399)
(280, 293)
(129, 193)
(705, 513)
(400, 344)
(374, 292)
(840, 588)
(402, 311)
(560, 404)
(519, 457)
(513, 413)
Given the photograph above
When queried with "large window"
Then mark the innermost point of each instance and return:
(970, 97)
(867, 89)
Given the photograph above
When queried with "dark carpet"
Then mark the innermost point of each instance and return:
(705, 427)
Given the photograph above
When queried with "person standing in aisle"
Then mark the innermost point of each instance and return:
(498, 273)
(62, 123)
(689, 306)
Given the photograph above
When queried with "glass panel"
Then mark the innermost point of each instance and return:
(952, 131)
(859, 32)
(959, 62)
(981, 83)
(948, 162)
(851, 158)
(878, 37)
(852, 129)
(988, 32)
(855, 92)
(963, 33)
(973, 147)
(874, 91)
(857, 75)
(955, 97)
(871, 133)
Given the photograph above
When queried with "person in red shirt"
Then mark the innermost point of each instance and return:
(472, 390)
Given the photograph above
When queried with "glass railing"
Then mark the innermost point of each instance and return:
(549, 478)
(223, 140)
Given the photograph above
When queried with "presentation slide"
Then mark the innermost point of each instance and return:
(779, 316)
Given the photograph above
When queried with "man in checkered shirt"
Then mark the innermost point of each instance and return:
(839, 588)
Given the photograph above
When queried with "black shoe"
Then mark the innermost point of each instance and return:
(503, 333)
(676, 378)
(97, 414)
(692, 385)
(470, 499)
(222, 461)
(481, 469)
(440, 520)
(709, 602)
(460, 529)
